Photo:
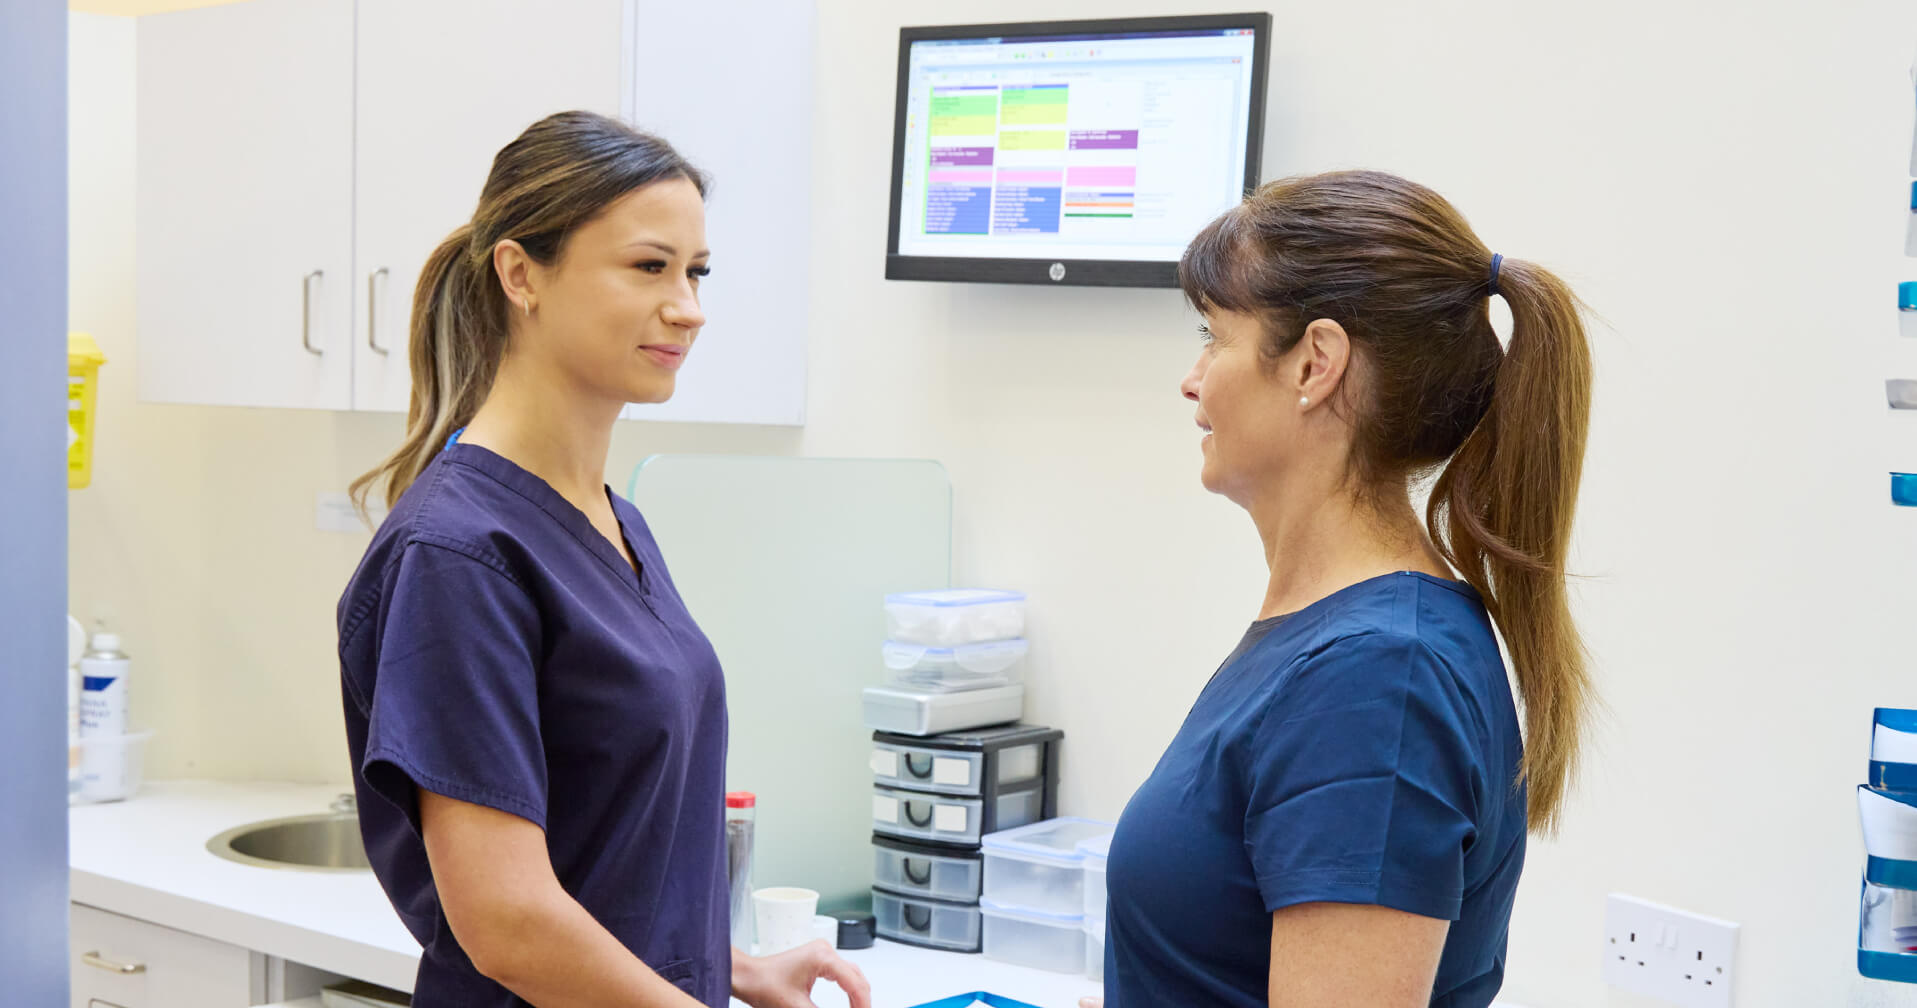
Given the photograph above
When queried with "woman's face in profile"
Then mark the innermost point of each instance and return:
(619, 311)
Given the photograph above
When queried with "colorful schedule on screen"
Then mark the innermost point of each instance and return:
(1102, 146)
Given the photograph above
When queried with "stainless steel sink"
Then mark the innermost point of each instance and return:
(325, 842)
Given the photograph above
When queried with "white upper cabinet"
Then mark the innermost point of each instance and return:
(443, 84)
(299, 160)
(245, 204)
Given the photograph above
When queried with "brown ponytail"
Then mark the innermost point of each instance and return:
(1501, 513)
(1399, 268)
(558, 174)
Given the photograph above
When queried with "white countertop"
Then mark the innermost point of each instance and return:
(147, 858)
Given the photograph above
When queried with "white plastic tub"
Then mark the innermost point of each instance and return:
(1038, 940)
(954, 616)
(965, 667)
(1038, 867)
(1095, 949)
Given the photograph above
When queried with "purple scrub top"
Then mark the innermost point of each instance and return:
(496, 649)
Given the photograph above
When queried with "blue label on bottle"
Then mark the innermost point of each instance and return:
(93, 682)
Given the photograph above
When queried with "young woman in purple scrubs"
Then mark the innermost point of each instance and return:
(1341, 819)
(537, 726)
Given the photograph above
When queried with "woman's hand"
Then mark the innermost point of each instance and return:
(1091, 1002)
(785, 980)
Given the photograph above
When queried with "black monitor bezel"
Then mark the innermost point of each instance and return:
(1072, 272)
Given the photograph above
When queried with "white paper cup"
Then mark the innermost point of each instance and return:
(784, 917)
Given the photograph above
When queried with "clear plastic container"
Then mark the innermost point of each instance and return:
(954, 616)
(915, 815)
(926, 923)
(1097, 853)
(926, 712)
(1038, 940)
(1038, 867)
(924, 872)
(104, 768)
(1095, 949)
(964, 762)
(965, 667)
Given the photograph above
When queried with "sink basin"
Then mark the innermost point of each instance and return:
(325, 842)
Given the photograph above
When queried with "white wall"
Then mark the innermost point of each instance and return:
(1724, 185)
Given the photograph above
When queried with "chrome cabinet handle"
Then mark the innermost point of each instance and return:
(306, 312)
(98, 961)
(373, 285)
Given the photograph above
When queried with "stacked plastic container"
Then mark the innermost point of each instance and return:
(1036, 904)
(1887, 918)
(949, 762)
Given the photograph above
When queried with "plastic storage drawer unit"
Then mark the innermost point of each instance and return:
(928, 712)
(950, 617)
(926, 923)
(909, 869)
(1038, 867)
(982, 762)
(948, 819)
(1039, 940)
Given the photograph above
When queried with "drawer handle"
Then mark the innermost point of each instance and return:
(918, 918)
(306, 313)
(98, 961)
(922, 876)
(918, 770)
(921, 821)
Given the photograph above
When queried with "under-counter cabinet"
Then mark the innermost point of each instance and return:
(299, 159)
(119, 962)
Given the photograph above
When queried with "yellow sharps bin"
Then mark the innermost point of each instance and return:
(83, 385)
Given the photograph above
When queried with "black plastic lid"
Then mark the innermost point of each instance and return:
(975, 739)
(855, 931)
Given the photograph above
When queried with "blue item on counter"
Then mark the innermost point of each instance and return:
(1907, 296)
(1890, 872)
(975, 998)
(1903, 489)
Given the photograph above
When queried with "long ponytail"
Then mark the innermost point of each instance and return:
(458, 337)
(1501, 513)
(560, 173)
(1397, 266)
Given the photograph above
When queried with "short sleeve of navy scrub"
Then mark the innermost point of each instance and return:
(496, 649)
(1365, 750)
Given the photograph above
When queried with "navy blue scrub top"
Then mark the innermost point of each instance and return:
(1365, 750)
(496, 649)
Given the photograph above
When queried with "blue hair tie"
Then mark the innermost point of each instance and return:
(454, 439)
(1497, 260)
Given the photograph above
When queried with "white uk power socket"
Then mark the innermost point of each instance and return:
(1686, 959)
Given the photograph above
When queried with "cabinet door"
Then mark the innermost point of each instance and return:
(130, 963)
(443, 84)
(244, 204)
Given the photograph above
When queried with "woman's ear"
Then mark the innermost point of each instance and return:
(516, 271)
(1323, 358)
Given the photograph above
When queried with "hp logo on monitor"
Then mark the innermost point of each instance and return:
(1057, 272)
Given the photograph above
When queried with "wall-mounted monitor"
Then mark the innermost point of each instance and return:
(1071, 152)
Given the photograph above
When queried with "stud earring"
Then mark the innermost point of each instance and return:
(527, 305)
(1304, 400)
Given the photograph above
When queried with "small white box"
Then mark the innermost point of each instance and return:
(1038, 940)
(928, 712)
(954, 616)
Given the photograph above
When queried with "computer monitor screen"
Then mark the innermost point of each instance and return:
(1084, 152)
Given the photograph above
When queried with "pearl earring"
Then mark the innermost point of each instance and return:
(1304, 400)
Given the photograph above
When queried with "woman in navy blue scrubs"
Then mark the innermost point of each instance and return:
(537, 726)
(1341, 819)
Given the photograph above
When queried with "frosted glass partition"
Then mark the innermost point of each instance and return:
(785, 563)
